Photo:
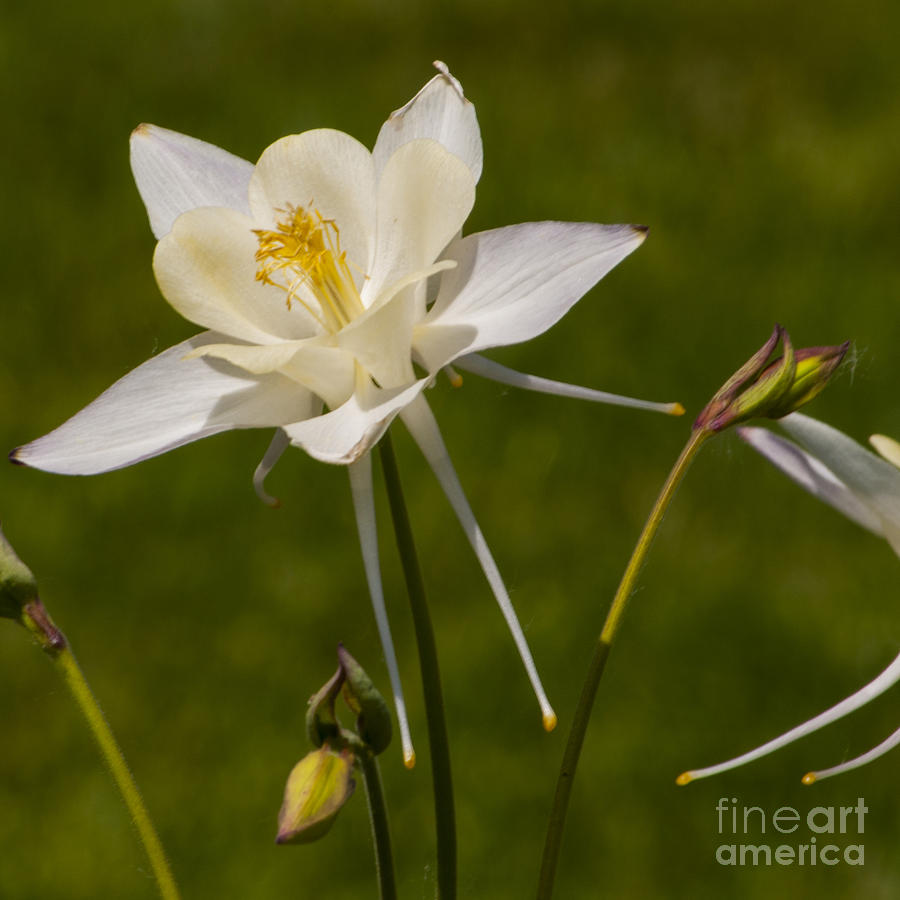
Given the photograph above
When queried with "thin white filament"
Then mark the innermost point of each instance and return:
(364, 507)
(421, 423)
(487, 368)
(280, 442)
(889, 677)
(863, 760)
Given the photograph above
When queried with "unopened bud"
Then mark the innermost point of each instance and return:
(316, 790)
(373, 716)
(814, 367)
(763, 389)
(17, 585)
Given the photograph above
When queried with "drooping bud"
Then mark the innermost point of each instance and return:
(764, 389)
(316, 790)
(373, 716)
(17, 584)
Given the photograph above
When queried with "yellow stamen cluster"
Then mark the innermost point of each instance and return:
(303, 257)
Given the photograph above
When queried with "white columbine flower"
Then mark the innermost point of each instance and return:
(331, 277)
(865, 488)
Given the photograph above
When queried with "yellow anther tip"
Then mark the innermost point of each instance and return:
(456, 380)
(409, 759)
(676, 409)
(550, 721)
(809, 778)
(684, 778)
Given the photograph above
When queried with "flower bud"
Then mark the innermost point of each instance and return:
(373, 717)
(760, 389)
(316, 790)
(17, 585)
(814, 367)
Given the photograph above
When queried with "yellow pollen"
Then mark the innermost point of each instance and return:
(809, 778)
(303, 257)
(684, 778)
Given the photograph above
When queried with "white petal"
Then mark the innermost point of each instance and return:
(175, 173)
(382, 341)
(439, 111)
(364, 507)
(206, 269)
(420, 421)
(512, 284)
(323, 170)
(812, 475)
(164, 403)
(345, 434)
(887, 448)
(487, 368)
(327, 371)
(425, 195)
(888, 678)
(875, 482)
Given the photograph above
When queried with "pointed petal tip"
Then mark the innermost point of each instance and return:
(454, 82)
(809, 778)
(641, 231)
(409, 758)
(15, 459)
(684, 778)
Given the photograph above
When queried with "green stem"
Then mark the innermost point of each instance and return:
(54, 643)
(445, 815)
(598, 664)
(381, 835)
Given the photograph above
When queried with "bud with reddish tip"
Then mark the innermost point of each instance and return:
(764, 389)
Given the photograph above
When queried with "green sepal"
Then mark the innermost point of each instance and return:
(321, 721)
(373, 716)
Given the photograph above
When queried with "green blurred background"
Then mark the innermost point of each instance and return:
(760, 141)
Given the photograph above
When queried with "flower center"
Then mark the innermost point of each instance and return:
(303, 257)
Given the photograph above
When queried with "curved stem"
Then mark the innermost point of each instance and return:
(445, 814)
(54, 643)
(602, 648)
(381, 835)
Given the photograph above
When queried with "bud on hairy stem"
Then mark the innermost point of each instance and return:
(771, 389)
(19, 600)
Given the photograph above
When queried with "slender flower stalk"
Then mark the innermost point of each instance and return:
(20, 602)
(112, 754)
(758, 388)
(442, 779)
(381, 835)
(598, 661)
